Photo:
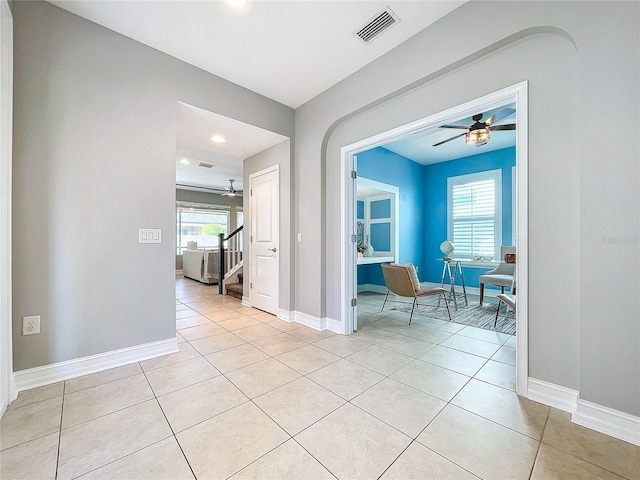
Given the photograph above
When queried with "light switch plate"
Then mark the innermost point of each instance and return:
(150, 235)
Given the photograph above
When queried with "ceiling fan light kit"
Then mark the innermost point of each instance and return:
(478, 137)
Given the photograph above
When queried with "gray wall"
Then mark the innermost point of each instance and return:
(209, 199)
(94, 160)
(280, 154)
(584, 224)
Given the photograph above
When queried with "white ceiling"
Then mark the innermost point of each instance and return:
(419, 146)
(289, 51)
(194, 129)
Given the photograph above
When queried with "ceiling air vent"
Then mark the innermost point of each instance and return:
(378, 24)
(205, 165)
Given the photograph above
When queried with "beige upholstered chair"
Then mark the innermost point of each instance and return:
(403, 281)
(501, 276)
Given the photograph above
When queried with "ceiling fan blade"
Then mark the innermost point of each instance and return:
(224, 194)
(449, 139)
(454, 126)
(508, 126)
(500, 115)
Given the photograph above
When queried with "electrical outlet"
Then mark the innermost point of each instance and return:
(31, 325)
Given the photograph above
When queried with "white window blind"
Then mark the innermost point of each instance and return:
(475, 214)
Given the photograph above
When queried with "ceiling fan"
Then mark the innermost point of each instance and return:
(480, 132)
(230, 191)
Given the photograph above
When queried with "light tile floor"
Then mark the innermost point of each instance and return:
(252, 397)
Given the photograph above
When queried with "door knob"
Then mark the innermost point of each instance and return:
(273, 249)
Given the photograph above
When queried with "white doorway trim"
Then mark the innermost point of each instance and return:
(517, 93)
(7, 385)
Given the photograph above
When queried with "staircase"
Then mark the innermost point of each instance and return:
(235, 289)
(230, 263)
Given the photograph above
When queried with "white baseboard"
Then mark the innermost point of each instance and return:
(285, 315)
(245, 301)
(335, 326)
(602, 419)
(371, 287)
(555, 396)
(179, 272)
(608, 421)
(56, 372)
(309, 321)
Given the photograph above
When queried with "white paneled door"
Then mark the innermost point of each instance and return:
(264, 190)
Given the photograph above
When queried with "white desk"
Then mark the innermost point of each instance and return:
(374, 259)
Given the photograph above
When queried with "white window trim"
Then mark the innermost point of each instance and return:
(514, 206)
(394, 196)
(390, 220)
(495, 175)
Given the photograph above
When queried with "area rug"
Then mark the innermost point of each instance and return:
(476, 315)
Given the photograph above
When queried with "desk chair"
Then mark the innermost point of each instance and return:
(501, 276)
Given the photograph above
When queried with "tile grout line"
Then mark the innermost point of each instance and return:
(169, 425)
(64, 387)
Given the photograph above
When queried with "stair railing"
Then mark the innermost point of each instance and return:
(230, 250)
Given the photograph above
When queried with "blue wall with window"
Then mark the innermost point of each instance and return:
(384, 166)
(423, 206)
(435, 186)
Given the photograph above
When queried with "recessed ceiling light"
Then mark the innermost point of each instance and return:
(185, 161)
(218, 139)
(237, 3)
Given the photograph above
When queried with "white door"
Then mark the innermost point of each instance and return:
(264, 188)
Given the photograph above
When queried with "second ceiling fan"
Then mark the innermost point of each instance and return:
(480, 132)
(230, 191)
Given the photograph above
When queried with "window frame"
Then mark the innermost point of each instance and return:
(197, 207)
(496, 176)
(385, 192)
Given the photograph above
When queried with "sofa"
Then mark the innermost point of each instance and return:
(201, 265)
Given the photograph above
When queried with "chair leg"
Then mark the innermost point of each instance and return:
(497, 311)
(481, 293)
(415, 299)
(385, 300)
(446, 304)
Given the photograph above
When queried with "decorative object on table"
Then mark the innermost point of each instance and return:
(192, 245)
(360, 238)
(368, 249)
(510, 257)
(447, 248)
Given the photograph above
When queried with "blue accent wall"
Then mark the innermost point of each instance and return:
(384, 166)
(423, 206)
(435, 198)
